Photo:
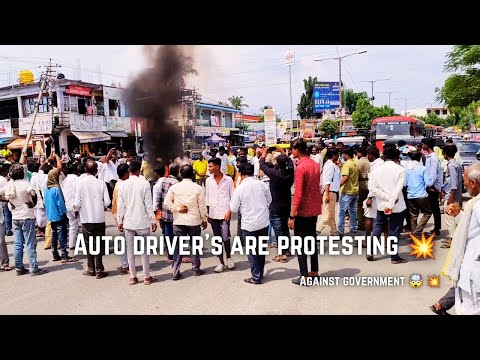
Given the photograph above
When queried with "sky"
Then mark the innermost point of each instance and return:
(256, 72)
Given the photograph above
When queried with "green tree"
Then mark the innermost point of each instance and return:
(365, 112)
(462, 88)
(242, 126)
(224, 103)
(469, 116)
(329, 127)
(237, 102)
(305, 107)
(436, 120)
(350, 99)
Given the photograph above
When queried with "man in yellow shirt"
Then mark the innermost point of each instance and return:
(349, 189)
(200, 169)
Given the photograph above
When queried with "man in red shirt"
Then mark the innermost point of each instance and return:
(307, 205)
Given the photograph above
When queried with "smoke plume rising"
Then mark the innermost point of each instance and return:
(155, 93)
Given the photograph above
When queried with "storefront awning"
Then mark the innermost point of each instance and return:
(117, 134)
(4, 141)
(90, 137)
(18, 144)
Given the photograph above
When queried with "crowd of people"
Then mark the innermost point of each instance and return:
(272, 190)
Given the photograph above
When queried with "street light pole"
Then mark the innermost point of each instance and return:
(389, 94)
(372, 82)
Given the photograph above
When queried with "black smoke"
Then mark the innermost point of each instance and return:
(155, 93)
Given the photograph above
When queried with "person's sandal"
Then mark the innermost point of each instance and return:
(133, 281)
(399, 261)
(446, 245)
(69, 260)
(438, 310)
(149, 280)
(370, 258)
(7, 268)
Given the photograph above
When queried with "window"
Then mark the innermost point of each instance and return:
(29, 105)
(445, 111)
(228, 120)
(206, 114)
(437, 112)
(114, 107)
(71, 103)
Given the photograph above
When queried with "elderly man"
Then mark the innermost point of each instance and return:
(462, 264)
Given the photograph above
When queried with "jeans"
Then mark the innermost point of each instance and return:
(167, 229)
(59, 235)
(24, 233)
(306, 226)
(348, 202)
(395, 225)
(279, 224)
(257, 262)
(8, 218)
(221, 228)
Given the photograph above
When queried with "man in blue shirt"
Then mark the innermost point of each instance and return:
(434, 183)
(417, 197)
(57, 215)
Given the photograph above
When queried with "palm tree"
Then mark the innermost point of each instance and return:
(237, 102)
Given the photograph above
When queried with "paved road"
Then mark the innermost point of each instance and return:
(63, 290)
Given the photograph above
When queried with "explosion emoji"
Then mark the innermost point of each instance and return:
(422, 247)
(415, 281)
(433, 281)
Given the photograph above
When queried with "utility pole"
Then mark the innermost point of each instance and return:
(389, 93)
(373, 82)
(340, 58)
(406, 102)
(47, 82)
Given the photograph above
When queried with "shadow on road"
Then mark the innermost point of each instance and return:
(347, 272)
(280, 274)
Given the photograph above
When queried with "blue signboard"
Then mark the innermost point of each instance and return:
(326, 97)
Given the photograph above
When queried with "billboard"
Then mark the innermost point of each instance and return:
(326, 97)
(270, 119)
(5, 129)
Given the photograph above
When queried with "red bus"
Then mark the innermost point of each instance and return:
(395, 128)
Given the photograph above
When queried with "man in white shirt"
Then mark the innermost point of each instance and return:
(22, 199)
(110, 176)
(256, 164)
(370, 204)
(186, 200)
(4, 260)
(136, 216)
(184, 160)
(224, 159)
(331, 185)
(39, 183)
(219, 190)
(252, 198)
(68, 189)
(315, 156)
(91, 200)
(386, 183)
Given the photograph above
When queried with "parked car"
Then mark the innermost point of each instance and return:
(468, 149)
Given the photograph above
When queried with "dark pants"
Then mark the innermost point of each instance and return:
(94, 262)
(435, 206)
(279, 223)
(448, 300)
(257, 262)
(239, 228)
(184, 230)
(167, 229)
(110, 187)
(416, 206)
(307, 226)
(362, 196)
(408, 227)
(59, 235)
(395, 224)
(8, 218)
(221, 228)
